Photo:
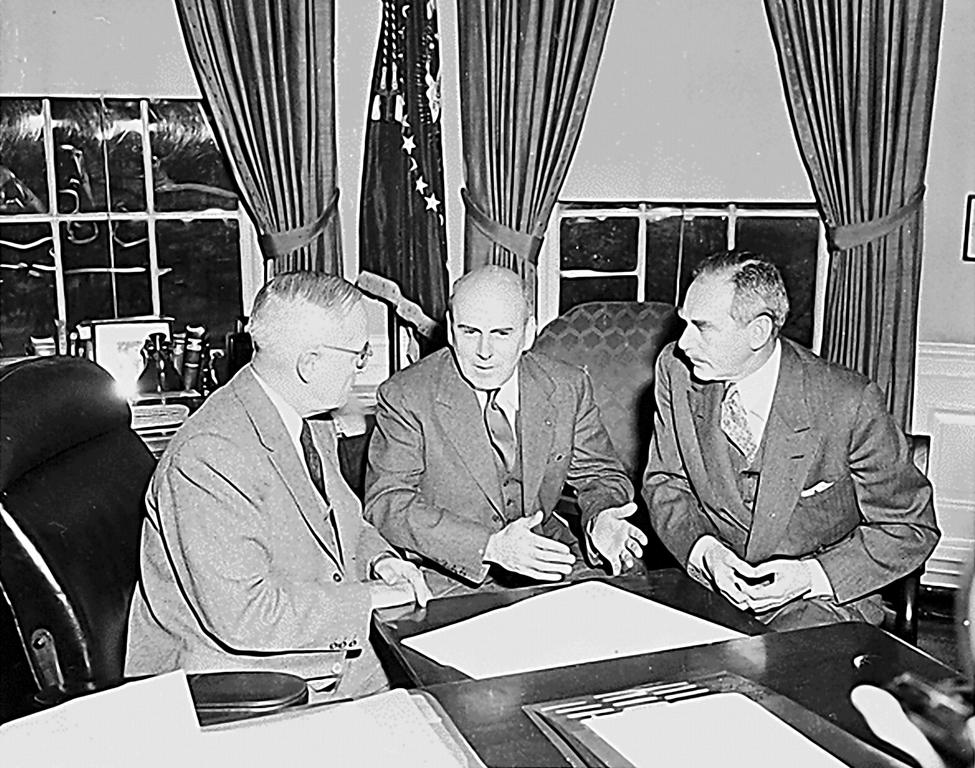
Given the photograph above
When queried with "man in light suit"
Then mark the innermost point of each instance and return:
(254, 551)
(472, 447)
(775, 477)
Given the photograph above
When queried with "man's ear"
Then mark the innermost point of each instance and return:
(305, 365)
(531, 330)
(760, 332)
(449, 320)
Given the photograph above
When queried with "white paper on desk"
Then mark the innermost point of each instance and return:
(381, 730)
(572, 625)
(732, 730)
(146, 723)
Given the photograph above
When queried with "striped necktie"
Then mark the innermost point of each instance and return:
(499, 431)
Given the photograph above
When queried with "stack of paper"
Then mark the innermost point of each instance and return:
(584, 622)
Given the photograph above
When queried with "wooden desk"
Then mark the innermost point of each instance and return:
(815, 667)
(670, 587)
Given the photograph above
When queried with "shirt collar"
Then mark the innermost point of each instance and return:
(292, 420)
(507, 398)
(758, 388)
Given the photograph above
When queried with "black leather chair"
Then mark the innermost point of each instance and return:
(72, 479)
(902, 596)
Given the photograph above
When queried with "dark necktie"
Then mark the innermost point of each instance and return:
(734, 423)
(499, 431)
(313, 459)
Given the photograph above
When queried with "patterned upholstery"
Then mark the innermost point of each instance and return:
(617, 342)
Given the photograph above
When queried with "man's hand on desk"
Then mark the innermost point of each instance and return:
(782, 581)
(515, 548)
(617, 541)
(401, 579)
(726, 570)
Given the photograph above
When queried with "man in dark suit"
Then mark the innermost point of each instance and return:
(775, 477)
(473, 445)
(254, 551)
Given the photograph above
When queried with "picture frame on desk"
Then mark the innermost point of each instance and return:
(968, 246)
(117, 346)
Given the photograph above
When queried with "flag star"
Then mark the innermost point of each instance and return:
(421, 186)
(432, 203)
(409, 144)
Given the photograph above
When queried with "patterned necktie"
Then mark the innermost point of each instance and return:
(734, 423)
(499, 431)
(313, 459)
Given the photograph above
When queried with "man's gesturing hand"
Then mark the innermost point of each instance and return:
(619, 542)
(515, 548)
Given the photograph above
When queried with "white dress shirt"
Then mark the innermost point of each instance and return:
(507, 399)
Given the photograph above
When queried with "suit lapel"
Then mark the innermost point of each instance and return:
(537, 414)
(790, 445)
(460, 416)
(703, 401)
(286, 461)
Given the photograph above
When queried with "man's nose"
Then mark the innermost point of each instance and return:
(684, 342)
(484, 346)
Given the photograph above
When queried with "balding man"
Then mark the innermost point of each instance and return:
(473, 445)
(254, 551)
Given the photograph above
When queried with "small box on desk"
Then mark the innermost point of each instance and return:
(157, 417)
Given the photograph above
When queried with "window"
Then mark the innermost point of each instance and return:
(648, 252)
(115, 208)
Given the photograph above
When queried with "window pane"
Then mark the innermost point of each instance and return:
(663, 251)
(577, 290)
(703, 235)
(199, 281)
(123, 145)
(791, 244)
(607, 245)
(103, 280)
(23, 174)
(79, 162)
(189, 172)
(28, 301)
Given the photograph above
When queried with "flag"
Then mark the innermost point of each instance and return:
(402, 237)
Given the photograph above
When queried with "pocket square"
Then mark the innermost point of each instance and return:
(819, 487)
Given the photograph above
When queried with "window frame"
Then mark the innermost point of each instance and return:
(251, 261)
(550, 273)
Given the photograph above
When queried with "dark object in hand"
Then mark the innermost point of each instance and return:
(941, 711)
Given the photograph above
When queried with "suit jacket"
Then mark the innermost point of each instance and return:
(837, 482)
(240, 567)
(432, 486)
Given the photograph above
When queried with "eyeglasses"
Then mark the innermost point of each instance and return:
(362, 355)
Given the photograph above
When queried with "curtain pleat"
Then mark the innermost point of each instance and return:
(265, 69)
(527, 70)
(859, 81)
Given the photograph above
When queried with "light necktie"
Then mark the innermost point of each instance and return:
(313, 460)
(499, 431)
(734, 423)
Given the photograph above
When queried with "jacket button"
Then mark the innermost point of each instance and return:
(337, 577)
(336, 668)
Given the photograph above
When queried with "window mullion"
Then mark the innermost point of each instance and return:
(52, 204)
(150, 208)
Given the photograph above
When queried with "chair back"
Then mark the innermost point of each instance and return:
(72, 479)
(617, 342)
(902, 596)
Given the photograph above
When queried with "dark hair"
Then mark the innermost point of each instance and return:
(759, 288)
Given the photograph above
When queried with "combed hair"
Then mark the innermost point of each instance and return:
(291, 308)
(759, 288)
(491, 272)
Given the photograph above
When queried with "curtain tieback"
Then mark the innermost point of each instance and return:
(275, 244)
(523, 244)
(844, 236)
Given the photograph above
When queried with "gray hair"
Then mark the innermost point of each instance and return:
(293, 309)
(759, 288)
(493, 276)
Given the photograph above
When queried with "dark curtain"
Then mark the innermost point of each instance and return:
(859, 80)
(402, 238)
(526, 74)
(265, 70)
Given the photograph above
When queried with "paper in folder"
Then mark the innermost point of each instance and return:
(720, 719)
(588, 621)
